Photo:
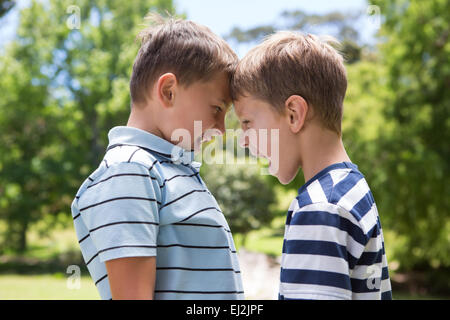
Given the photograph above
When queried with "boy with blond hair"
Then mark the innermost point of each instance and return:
(147, 225)
(333, 245)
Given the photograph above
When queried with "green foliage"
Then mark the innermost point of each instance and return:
(243, 193)
(414, 152)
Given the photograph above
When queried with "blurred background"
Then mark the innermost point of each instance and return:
(64, 75)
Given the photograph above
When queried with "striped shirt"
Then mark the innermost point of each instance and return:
(333, 245)
(147, 199)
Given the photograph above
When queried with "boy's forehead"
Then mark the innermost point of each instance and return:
(219, 87)
(238, 108)
(242, 106)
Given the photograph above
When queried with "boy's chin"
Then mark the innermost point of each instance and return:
(283, 180)
(273, 171)
(283, 177)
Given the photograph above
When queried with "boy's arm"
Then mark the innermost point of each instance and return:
(121, 211)
(132, 278)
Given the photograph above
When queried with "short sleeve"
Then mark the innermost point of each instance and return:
(120, 208)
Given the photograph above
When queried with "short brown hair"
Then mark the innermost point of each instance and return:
(191, 51)
(290, 63)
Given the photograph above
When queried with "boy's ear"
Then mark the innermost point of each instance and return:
(165, 88)
(296, 109)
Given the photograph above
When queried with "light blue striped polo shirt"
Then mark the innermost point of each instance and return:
(333, 245)
(147, 199)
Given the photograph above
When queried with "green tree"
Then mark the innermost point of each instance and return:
(64, 84)
(5, 6)
(245, 196)
(415, 152)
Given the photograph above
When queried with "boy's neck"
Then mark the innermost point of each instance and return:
(322, 148)
(141, 118)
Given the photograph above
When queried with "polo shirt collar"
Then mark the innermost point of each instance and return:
(136, 137)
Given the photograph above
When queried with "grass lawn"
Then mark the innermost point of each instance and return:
(268, 240)
(45, 287)
(54, 287)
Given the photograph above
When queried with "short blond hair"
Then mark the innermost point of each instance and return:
(290, 63)
(189, 50)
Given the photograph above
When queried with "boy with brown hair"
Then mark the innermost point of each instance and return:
(147, 225)
(333, 246)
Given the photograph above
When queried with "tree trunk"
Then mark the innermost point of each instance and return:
(22, 245)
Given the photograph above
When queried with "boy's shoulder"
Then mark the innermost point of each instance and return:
(122, 154)
(120, 161)
(341, 189)
(124, 160)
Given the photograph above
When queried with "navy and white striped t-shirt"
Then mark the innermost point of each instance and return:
(147, 199)
(333, 245)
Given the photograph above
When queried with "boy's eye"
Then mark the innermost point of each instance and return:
(217, 109)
